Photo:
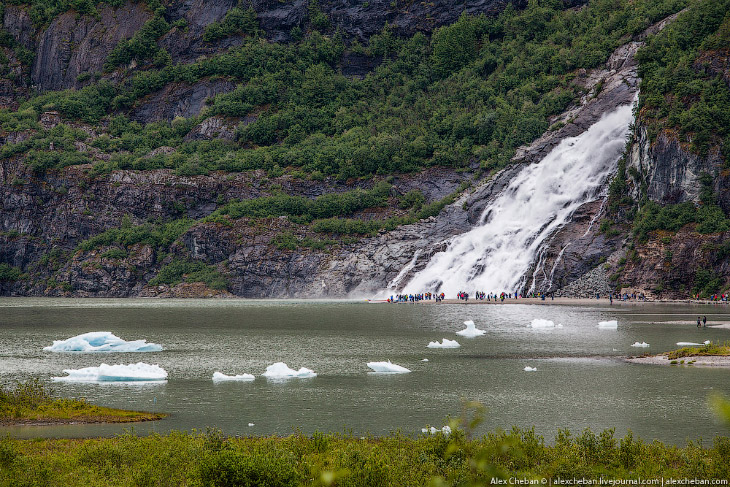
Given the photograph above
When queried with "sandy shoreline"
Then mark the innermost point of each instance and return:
(699, 360)
(570, 301)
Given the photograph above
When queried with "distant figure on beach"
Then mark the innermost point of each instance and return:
(704, 321)
(610, 298)
(698, 322)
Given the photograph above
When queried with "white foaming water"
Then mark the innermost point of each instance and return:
(496, 254)
(101, 341)
(139, 372)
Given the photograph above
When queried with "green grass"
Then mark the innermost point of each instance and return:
(711, 349)
(211, 459)
(33, 402)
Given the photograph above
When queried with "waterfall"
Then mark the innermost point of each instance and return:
(495, 255)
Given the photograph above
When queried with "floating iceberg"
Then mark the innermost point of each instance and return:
(470, 331)
(101, 341)
(693, 344)
(387, 368)
(640, 345)
(280, 370)
(445, 344)
(530, 369)
(608, 325)
(220, 377)
(540, 323)
(250, 424)
(446, 430)
(424, 360)
(139, 372)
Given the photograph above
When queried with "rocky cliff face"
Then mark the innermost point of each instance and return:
(74, 44)
(671, 173)
(44, 219)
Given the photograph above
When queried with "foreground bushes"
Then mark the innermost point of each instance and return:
(211, 459)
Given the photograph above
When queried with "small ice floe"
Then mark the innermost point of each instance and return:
(220, 377)
(470, 331)
(530, 369)
(608, 325)
(250, 425)
(139, 372)
(540, 323)
(446, 430)
(101, 341)
(693, 344)
(424, 360)
(640, 345)
(387, 368)
(445, 344)
(280, 370)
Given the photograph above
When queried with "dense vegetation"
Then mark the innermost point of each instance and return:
(466, 96)
(32, 401)
(473, 92)
(212, 459)
(684, 95)
(680, 89)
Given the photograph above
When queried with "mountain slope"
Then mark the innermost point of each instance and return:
(260, 148)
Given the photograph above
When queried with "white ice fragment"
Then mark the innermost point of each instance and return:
(220, 377)
(139, 372)
(101, 341)
(446, 430)
(424, 360)
(640, 345)
(446, 344)
(387, 368)
(540, 323)
(250, 424)
(688, 344)
(280, 370)
(470, 331)
(530, 369)
(707, 342)
(608, 325)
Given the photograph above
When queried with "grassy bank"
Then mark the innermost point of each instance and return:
(211, 459)
(32, 402)
(708, 350)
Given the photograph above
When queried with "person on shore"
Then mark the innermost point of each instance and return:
(704, 321)
(610, 298)
(698, 322)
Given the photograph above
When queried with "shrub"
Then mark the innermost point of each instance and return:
(10, 273)
(190, 271)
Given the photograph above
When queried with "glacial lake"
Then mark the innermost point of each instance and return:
(581, 379)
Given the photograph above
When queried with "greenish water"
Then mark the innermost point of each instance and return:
(581, 379)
